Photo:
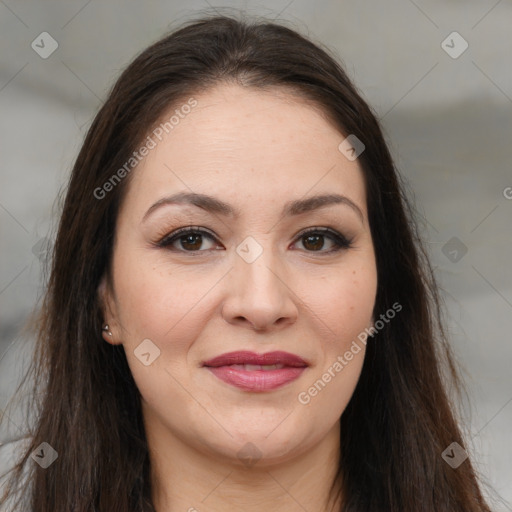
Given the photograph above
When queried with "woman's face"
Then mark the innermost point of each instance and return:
(247, 279)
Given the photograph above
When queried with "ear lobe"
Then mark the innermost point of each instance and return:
(109, 327)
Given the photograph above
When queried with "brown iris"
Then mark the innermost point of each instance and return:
(317, 243)
(190, 238)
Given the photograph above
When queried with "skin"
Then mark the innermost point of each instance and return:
(255, 150)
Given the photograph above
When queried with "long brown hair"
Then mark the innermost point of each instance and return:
(400, 418)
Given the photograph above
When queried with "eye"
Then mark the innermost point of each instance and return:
(190, 239)
(314, 240)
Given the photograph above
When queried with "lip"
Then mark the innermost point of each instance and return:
(290, 368)
(246, 357)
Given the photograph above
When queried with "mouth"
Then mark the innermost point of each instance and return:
(256, 372)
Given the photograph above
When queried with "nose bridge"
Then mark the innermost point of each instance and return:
(257, 292)
(257, 264)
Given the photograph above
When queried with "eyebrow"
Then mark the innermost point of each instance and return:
(214, 205)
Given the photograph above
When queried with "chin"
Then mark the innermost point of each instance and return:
(269, 444)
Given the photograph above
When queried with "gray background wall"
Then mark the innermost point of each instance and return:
(448, 119)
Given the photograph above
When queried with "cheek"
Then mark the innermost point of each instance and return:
(156, 301)
(343, 305)
(342, 301)
(160, 305)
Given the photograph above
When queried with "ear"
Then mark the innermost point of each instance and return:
(109, 310)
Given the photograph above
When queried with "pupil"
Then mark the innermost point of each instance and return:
(190, 239)
(318, 244)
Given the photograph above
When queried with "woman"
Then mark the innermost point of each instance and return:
(240, 314)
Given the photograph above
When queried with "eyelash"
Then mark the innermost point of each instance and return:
(340, 240)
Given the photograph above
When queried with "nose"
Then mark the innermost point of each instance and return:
(260, 294)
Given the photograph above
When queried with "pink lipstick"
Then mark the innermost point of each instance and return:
(256, 372)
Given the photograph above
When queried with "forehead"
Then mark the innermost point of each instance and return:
(246, 143)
